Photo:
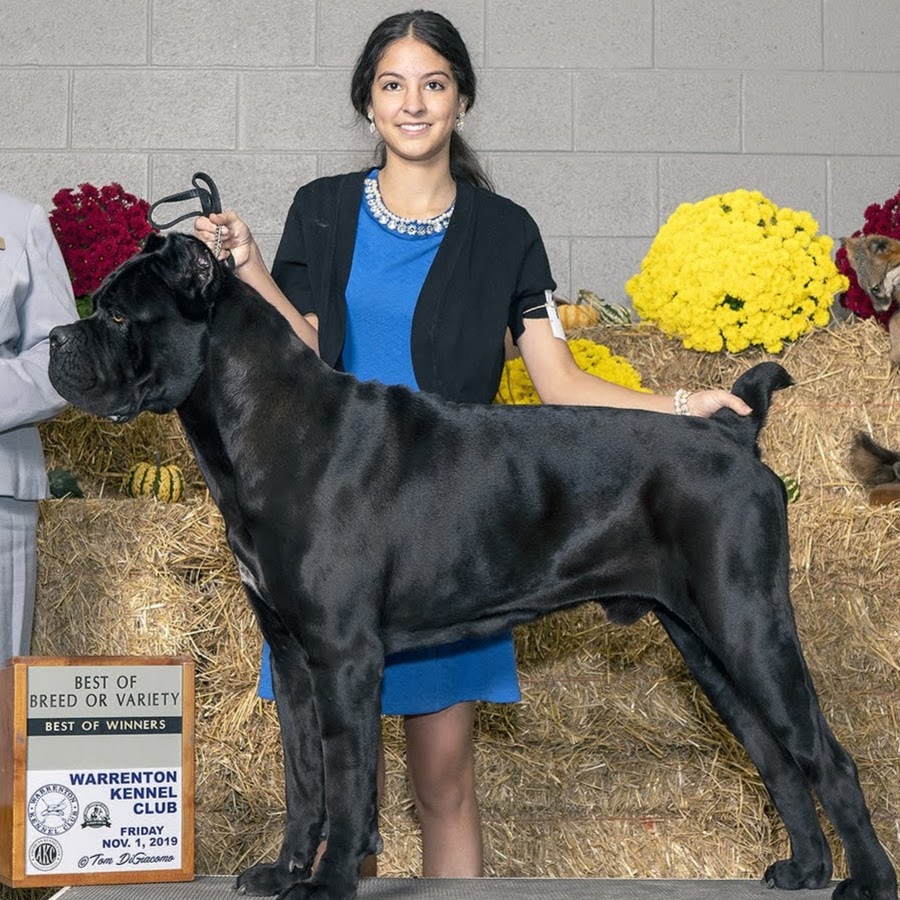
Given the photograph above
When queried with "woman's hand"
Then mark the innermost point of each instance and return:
(234, 237)
(705, 403)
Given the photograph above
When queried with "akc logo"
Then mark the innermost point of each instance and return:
(53, 809)
(45, 854)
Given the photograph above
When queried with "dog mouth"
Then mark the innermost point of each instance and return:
(120, 418)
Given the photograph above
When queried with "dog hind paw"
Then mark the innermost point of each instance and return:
(319, 890)
(853, 889)
(790, 875)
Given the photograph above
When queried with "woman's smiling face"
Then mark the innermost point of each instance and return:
(415, 101)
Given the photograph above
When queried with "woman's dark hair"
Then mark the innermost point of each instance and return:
(439, 33)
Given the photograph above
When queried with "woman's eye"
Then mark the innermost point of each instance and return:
(435, 86)
(390, 86)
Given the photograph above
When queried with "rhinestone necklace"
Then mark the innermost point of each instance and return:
(397, 223)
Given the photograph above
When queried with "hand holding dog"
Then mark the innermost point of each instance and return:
(705, 403)
(235, 238)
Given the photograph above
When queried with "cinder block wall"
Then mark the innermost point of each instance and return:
(599, 116)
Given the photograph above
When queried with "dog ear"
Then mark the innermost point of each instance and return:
(152, 242)
(195, 271)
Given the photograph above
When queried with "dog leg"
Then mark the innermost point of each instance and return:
(761, 652)
(346, 673)
(303, 766)
(810, 865)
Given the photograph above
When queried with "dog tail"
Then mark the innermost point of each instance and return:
(871, 463)
(755, 387)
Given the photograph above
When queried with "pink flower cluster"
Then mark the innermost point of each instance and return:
(97, 229)
(884, 220)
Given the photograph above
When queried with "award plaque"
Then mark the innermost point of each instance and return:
(96, 770)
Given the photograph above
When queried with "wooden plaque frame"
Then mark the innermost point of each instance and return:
(14, 769)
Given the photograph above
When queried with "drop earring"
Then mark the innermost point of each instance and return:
(460, 122)
(371, 124)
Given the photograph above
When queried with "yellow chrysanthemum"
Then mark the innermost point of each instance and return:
(516, 386)
(734, 271)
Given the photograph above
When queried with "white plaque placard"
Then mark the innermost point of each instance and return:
(105, 791)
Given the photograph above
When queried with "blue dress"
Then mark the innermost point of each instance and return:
(386, 278)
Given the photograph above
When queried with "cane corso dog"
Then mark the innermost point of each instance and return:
(368, 519)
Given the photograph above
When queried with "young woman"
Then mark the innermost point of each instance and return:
(411, 273)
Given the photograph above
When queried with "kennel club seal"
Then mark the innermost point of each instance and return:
(368, 519)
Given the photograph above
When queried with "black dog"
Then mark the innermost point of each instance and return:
(368, 519)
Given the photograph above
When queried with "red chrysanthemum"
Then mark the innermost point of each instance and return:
(880, 219)
(97, 229)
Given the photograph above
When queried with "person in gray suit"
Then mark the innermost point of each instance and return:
(35, 295)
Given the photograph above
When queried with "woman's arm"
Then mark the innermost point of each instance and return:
(236, 240)
(558, 379)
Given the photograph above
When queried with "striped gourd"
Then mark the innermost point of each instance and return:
(792, 487)
(145, 479)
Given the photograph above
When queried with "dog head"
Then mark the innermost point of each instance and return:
(876, 261)
(144, 345)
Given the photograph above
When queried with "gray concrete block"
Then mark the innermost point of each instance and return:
(855, 183)
(862, 36)
(577, 34)
(581, 194)
(338, 163)
(658, 111)
(558, 252)
(266, 33)
(603, 265)
(345, 25)
(520, 109)
(268, 246)
(49, 33)
(798, 182)
(38, 176)
(734, 34)
(34, 109)
(299, 111)
(848, 113)
(259, 187)
(151, 109)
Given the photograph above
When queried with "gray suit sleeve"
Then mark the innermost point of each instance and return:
(39, 297)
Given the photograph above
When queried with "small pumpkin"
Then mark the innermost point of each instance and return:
(63, 484)
(165, 483)
(792, 486)
(577, 315)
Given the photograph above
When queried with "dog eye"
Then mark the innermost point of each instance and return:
(117, 317)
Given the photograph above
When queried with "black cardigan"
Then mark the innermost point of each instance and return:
(490, 269)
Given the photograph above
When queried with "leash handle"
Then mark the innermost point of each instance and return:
(210, 202)
(205, 190)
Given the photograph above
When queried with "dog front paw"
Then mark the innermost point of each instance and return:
(266, 879)
(791, 875)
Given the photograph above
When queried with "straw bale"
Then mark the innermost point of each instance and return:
(614, 764)
(99, 452)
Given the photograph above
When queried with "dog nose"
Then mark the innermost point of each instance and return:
(57, 337)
